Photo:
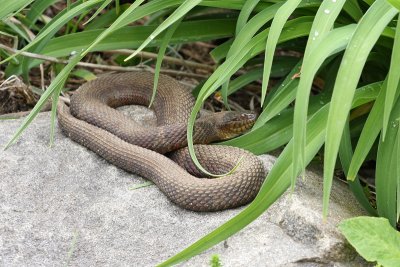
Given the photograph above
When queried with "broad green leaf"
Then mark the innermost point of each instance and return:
(368, 31)
(374, 239)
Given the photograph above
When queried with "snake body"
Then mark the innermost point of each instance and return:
(92, 121)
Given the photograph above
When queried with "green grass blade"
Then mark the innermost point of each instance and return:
(119, 22)
(387, 164)
(281, 67)
(279, 130)
(281, 96)
(244, 79)
(393, 80)
(277, 25)
(175, 16)
(8, 7)
(57, 83)
(56, 96)
(353, 9)
(244, 36)
(367, 33)
(322, 25)
(395, 3)
(160, 56)
(101, 8)
(397, 174)
(330, 43)
(18, 30)
(345, 155)
(50, 30)
(132, 37)
(275, 133)
(37, 8)
(245, 13)
(106, 19)
(371, 129)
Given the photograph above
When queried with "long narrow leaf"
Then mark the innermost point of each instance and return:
(57, 24)
(160, 57)
(323, 23)
(387, 164)
(58, 81)
(7, 7)
(393, 80)
(176, 15)
(119, 22)
(277, 25)
(368, 31)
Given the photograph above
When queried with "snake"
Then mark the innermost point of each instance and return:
(159, 153)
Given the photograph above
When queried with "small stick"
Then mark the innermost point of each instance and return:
(169, 59)
(99, 66)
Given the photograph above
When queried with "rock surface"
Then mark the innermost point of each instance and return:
(66, 206)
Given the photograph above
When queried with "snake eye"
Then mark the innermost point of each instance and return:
(248, 116)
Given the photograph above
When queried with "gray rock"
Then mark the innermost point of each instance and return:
(66, 206)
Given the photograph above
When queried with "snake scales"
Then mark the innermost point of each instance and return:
(92, 121)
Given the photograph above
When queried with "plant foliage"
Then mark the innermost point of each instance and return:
(374, 239)
(352, 46)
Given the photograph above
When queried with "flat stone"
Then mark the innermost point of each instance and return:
(64, 205)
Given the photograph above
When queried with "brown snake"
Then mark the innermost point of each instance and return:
(92, 121)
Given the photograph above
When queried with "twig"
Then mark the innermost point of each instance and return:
(99, 66)
(173, 60)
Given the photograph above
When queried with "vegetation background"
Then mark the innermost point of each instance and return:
(328, 73)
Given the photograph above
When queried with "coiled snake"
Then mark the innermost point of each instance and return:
(92, 121)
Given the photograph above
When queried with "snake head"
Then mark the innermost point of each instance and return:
(230, 124)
